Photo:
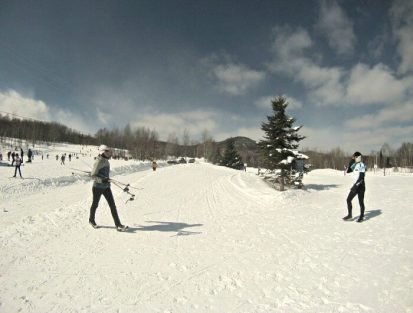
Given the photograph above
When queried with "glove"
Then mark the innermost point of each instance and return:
(349, 169)
(105, 180)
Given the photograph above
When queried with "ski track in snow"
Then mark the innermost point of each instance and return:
(205, 239)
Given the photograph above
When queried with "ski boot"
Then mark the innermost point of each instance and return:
(122, 227)
(93, 224)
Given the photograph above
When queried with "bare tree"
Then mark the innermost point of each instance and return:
(171, 148)
(185, 141)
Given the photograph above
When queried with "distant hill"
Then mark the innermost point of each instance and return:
(246, 147)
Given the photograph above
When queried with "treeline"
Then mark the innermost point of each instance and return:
(386, 157)
(37, 131)
(144, 144)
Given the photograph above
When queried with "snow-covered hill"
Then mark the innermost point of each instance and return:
(202, 239)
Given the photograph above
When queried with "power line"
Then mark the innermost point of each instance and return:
(23, 117)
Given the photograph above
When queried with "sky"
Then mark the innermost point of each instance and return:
(345, 67)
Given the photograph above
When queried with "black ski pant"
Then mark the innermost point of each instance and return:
(107, 193)
(356, 192)
(15, 171)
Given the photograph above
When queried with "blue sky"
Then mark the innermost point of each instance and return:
(346, 67)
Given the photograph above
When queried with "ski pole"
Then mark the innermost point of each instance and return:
(85, 175)
(123, 184)
(75, 169)
(126, 189)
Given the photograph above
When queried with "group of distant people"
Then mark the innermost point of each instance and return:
(63, 158)
(16, 159)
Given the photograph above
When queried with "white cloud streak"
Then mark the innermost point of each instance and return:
(359, 85)
(384, 94)
(337, 27)
(21, 106)
(164, 124)
(395, 114)
(374, 85)
(402, 21)
(236, 79)
(13, 102)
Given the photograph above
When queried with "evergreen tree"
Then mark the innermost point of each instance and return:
(231, 157)
(280, 139)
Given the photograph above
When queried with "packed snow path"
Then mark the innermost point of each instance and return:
(206, 239)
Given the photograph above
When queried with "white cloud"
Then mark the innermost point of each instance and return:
(73, 121)
(373, 138)
(337, 27)
(375, 85)
(13, 102)
(350, 140)
(321, 138)
(325, 84)
(236, 79)
(24, 107)
(103, 117)
(164, 124)
(289, 47)
(402, 20)
(391, 114)
(292, 56)
(359, 85)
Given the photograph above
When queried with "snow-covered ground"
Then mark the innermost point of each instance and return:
(202, 238)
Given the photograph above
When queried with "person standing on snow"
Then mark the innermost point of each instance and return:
(359, 187)
(154, 165)
(101, 186)
(17, 162)
(13, 156)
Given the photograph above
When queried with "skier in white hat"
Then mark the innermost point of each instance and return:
(101, 186)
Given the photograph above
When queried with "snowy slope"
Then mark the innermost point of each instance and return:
(202, 239)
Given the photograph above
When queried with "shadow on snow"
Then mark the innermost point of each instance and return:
(367, 215)
(169, 227)
(320, 186)
(371, 214)
(177, 228)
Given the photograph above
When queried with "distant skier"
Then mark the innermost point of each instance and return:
(29, 156)
(359, 187)
(17, 162)
(13, 157)
(154, 165)
(101, 186)
(62, 159)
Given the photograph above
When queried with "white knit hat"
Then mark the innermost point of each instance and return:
(103, 148)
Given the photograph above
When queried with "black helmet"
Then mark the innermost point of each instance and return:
(356, 154)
